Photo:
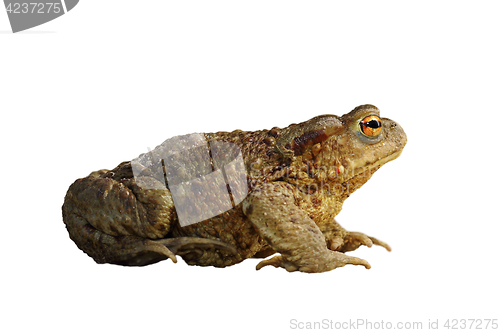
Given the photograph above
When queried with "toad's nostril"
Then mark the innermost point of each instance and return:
(394, 125)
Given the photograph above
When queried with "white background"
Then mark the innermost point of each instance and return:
(101, 84)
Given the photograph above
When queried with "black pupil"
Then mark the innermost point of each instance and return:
(373, 123)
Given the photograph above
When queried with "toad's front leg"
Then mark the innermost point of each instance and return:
(339, 239)
(272, 210)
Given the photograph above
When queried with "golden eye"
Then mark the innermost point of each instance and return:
(371, 126)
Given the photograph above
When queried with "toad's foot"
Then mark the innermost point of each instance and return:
(352, 240)
(336, 260)
(134, 251)
(170, 247)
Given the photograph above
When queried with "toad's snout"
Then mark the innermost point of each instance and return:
(395, 135)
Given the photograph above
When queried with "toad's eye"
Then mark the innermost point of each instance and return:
(371, 126)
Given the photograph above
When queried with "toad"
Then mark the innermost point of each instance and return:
(216, 199)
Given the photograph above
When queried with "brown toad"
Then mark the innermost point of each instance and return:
(216, 199)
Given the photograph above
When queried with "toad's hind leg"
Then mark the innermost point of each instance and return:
(133, 250)
(288, 230)
(117, 222)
